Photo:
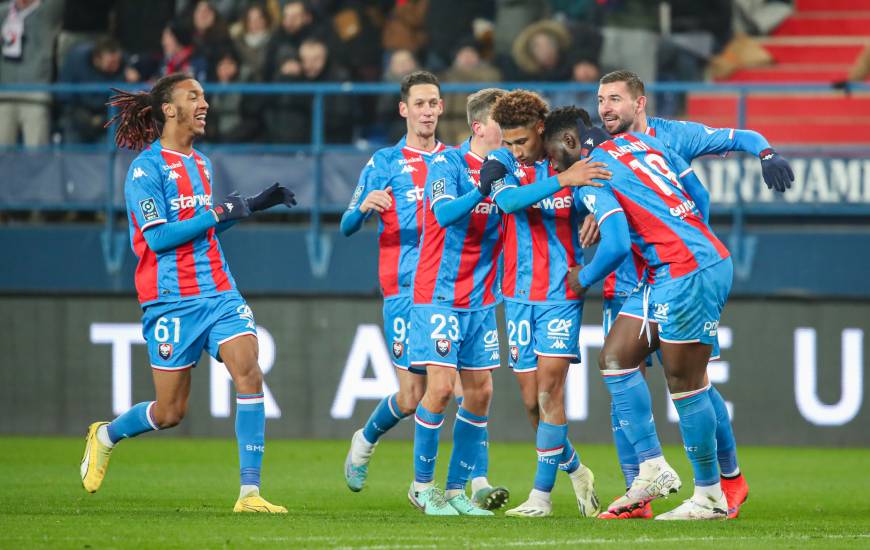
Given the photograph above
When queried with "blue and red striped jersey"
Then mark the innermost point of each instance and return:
(541, 243)
(689, 140)
(665, 225)
(167, 186)
(403, 168)
(459, 264)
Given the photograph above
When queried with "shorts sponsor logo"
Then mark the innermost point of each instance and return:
(515, 354)
(245, 314)
(490, 340)
(149, 209)
(442, 347)
(398, 349)
(661, 312)
(438, 188)
(165, 350)
(711, 328)
(558, 331)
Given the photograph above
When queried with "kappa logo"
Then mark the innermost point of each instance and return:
(173, 175)
(408, 169)
(494, 356)
(439, 158)
(515, 353)
(661, 312)
(371, 162)
(398, 349)
(165, 350)
(519, 173)
(589, 202)
(710, 131)
(442, 347)
(207, 174)
(558, 343)
(590, 142)
(138, 173)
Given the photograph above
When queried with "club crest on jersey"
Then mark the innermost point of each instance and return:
(515, 354)
(439, 188)
(398, 349)
(165, 350)
(149, 209)
(442, 347)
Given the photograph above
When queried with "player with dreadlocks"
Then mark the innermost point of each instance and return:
(184, 285)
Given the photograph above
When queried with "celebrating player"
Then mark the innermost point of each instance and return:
(622, 107)
(543, 314)
(391, 185)
(648, 206)
(187, 293)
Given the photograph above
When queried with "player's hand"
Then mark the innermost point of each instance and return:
(573, 280)
(582, 172)
(490, 172)
(273, 195)
(231, 207)
(377, 200)
(589, 233)
(776, 170)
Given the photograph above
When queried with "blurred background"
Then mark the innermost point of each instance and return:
(304, 92)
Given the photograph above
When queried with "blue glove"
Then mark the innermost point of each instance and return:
(232, 207)
(776, 171)
(273, 195)
(491, 171)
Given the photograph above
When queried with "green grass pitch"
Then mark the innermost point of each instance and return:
(178, 493)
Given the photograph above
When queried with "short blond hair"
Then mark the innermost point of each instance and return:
(479, 104)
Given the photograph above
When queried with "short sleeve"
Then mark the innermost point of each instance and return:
(143, 192)
(511, 179)
(442, 180)
(374, 176)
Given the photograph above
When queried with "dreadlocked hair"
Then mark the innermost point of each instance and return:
(140, 117)
(519, 109)
(564, 118)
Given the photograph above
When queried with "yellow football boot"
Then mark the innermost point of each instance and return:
(255, 503)
(96, 459)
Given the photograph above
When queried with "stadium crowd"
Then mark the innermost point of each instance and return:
(88, 41)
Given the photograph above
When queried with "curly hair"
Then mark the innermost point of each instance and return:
(140, 118)
(519, 108)
(564, 118)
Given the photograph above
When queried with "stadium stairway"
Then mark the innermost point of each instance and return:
(818, 43)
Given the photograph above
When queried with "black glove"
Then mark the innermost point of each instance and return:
(232, 207)
(590, 138)
(776, 171)
(491, 171)
(273, 195)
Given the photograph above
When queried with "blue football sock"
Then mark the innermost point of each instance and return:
(624, 450)
(481, 462)
(550, 442)
(570, 460)
(251, 435)
(468, 434)
(631, 399)
(135, 421)
(385, 416)
(426, 429)
(698, 427)
(726, 446)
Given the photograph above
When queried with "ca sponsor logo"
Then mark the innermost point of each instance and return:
(191, 201)
(661, 312)
(138, 173)
(711, 328)
(490, 340)
(247, 315)
(442, 347)
(415, 195)
(559, 328)
(165, 350)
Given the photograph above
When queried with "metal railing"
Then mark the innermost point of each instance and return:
(319, 244)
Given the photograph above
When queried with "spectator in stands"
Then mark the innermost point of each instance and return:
(29, 27)
(467, 66)
(297, 24)
(539, 52)
(253, 43)
(446, 20)
(230, 117)
(84, 114)
(289, 116)
(139, 26)
(511, 17)
(179, 55)
(405, 27)
(83, 21)
(389, 123)
(211, 36)
(358, 39)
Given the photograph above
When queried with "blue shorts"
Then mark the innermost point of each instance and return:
(397, 328)
(612, 308)
(542, 330)
(177, 332)
(457, 338)
(686, 309)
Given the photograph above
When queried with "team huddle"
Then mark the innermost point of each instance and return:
(504, 217)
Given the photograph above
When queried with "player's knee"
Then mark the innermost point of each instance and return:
(608, 360)
(478, 397)
(249, 379)
(440, 391)
(169, 416)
